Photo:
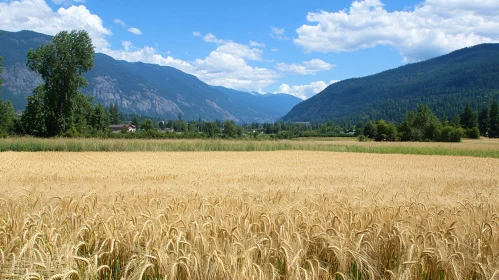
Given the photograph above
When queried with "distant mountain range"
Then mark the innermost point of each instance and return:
(146, 89)
(445, 84)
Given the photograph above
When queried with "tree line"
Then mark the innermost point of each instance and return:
(424, 125)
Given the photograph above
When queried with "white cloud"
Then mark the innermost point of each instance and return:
(210, 38)
(277, 33)
(256, 44)
(307, 67)
(36, 15)
(225, 66)
(304, 91)
(135, 31)
(120, 22)
(67, 2)
(196, 34)
(432, 28)
(274, 49)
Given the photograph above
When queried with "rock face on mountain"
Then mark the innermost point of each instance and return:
(445, 84)
(141, 88)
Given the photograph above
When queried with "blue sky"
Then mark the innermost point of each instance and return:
(295, 47)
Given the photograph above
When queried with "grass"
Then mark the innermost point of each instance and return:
(474, 148)
(254, 215)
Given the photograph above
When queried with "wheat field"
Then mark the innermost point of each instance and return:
(247, 215)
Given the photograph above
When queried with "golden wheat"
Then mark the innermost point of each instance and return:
(248, 215)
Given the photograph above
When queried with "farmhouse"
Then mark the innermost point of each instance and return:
(122, 127)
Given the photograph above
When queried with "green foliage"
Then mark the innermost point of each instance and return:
(468, 118)
(33, 117)
(472, 133)
(8, 118)
(100, 118)
(370, 130)
(483, 121)
(61, 64)
(230, 130)
(135, 121)
(147, 125)
(451, 134)
(423, 126)
(7, 114)
(494, 120)
(1, 70)
(114, 114)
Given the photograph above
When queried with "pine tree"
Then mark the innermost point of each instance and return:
(468, 118)
(494, 120)
(483, 121)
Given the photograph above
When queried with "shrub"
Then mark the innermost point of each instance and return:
(472, 133)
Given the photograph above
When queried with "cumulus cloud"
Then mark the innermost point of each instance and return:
(256, 44)
(432, 28)
(36, 15)
(120, 22)
(307, 67)
(196, 34)
(135, 31)
(274, 49)
(304, 91)
(277, 33)
(226, 66)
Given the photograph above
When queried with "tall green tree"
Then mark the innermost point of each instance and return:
(230, 129)
(147, 125)
(61, 64)
(100, 118)
(468, 118)
(494, 120)
(33, 117)
(483, 121)
(7, 113)
(135, 122)
(370, 130)
(114, 114)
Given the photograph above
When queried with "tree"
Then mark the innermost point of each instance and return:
(1, 70)
(370, 130)
(61, 64)
(483, 121)
(405, 128)
(100, 118)
(33, 117)
(147, 124)
(7, 113)
(468, 118)
(494, 120)
(230, 130)
(114, 114)
(135, 122)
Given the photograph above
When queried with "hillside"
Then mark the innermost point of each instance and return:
(141, 88)
(445, 84)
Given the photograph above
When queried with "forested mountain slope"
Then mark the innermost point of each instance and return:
(445, 84)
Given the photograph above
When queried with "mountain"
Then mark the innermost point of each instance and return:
(445, 84)
(146, 89)
(274, 105)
